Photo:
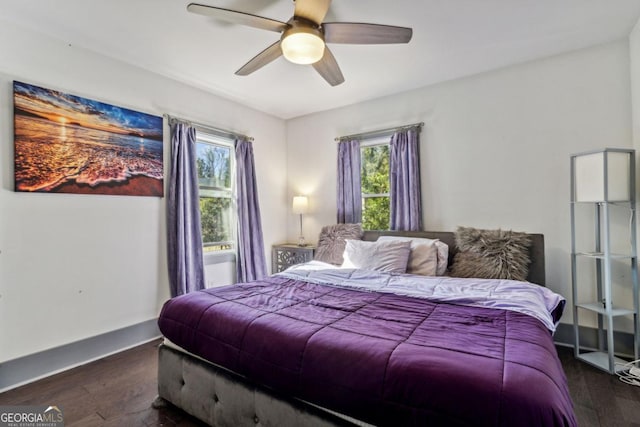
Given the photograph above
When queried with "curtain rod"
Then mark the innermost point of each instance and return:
(379, 132)
(206, 128)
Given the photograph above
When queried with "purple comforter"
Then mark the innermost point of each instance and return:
(383, 358)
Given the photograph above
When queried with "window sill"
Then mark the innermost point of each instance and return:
(219, 257)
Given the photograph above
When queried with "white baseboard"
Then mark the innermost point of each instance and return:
(564, 336)
(17, 372)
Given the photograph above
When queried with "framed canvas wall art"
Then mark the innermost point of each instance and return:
(69, 144)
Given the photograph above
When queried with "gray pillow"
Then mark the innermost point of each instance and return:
(331, 242)
(391, 256)
(425, 258)
(491, 254)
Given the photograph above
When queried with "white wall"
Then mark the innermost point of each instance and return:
(74, 266)
(494, 149)
(634, 50)
(221, 274)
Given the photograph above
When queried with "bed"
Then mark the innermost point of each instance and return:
(322, 347)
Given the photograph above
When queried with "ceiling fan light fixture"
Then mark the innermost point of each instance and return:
(303, 36)
(302, 45)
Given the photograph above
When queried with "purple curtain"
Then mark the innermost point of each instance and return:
(349, 189)
(250, 261)
(184, 235)
(404, 174)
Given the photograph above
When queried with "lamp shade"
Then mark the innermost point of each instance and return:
(300, 205)
(603, 176)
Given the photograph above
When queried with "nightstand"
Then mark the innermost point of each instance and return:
(285, 255)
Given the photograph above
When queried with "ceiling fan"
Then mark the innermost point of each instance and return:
(304, 36)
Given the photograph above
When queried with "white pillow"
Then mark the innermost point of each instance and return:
(422, 259)
(391, 257)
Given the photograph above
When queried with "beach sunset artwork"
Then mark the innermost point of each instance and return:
(69, 144)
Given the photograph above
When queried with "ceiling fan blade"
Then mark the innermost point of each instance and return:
(313, 10)
(328, 68)
(236, 17)
(260, 60)
(357, 33)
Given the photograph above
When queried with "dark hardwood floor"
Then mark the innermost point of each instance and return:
(118, 391)
(599, 399)
(114, 391)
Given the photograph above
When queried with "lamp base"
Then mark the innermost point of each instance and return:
(301, 241)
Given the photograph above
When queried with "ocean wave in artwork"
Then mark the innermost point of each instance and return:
(50, 155)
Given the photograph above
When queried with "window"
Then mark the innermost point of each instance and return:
(374, 176)
(215, 163)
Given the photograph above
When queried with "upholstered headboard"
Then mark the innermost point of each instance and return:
(536, 252)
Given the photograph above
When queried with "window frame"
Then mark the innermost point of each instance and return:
(372, 142)
(221, 255)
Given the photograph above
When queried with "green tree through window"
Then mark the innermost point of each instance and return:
(374, 175)
(215, 173)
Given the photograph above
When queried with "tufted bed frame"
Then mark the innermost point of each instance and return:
(220, 397)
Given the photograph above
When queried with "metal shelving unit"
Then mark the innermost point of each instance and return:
(605, 179)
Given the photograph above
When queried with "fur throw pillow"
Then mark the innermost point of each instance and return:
(332, 241)
(491, 254)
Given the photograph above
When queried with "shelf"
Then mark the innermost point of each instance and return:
(605, 180)
(600, 255)
(600, 360)
(624, 203)
(599, 308)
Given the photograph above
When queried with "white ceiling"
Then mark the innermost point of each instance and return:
(451, 39)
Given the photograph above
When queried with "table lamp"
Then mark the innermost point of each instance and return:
(300, 207)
